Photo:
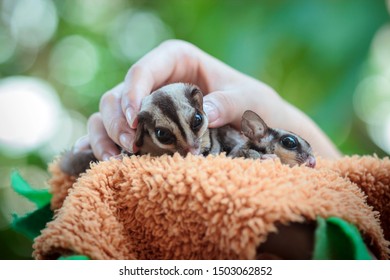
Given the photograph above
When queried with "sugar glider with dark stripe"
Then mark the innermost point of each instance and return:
(172, 120)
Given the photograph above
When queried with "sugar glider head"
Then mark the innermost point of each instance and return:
(289, 147)
(172, 120)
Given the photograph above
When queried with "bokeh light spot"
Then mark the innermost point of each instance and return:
(7, 45)
(29, 110)
(134, 33)
(74, 61)
(98, 11)
(380, 133)
(381, 50)
(33, 23)
(371, 98)
(72, 125)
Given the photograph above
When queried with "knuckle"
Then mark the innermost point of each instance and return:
(94, 119)
(129, 101)
(93, 124)
(177, 45)
(225, 100)
(170, 43)
(106, 100)
(135, 70)
(228, 106)
(114, 129)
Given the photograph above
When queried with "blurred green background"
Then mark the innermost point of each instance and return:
(331, 58)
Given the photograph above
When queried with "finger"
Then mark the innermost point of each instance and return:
(172, 61)
(222, 107)
(228, 106)
(82, 144)
(102, 146)
(115, 124)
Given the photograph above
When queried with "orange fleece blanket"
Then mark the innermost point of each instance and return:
(174, 207)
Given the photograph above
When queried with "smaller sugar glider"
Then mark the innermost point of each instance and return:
(265, 142)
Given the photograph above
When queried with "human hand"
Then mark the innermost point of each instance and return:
(228, 93)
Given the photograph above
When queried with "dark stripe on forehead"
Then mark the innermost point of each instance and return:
(276, 135)
(145, 117)
(165, 103)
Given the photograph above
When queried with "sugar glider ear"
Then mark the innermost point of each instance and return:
(143, 118)
(253, 126)
(195, 96)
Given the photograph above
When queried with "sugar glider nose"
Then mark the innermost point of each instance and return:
(193, 149)
(311, 162)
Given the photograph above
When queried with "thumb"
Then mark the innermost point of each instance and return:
(221, 107)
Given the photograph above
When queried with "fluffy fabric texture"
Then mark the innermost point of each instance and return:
(208, 208)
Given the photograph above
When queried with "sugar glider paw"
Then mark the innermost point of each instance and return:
(268, 156)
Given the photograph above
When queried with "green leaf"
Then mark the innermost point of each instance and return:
(336, 239)
(73, 257)
(32, 224)
(40, 197)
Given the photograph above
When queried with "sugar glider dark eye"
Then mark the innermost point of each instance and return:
(197, 121)
(289, 142)
(164, 136)
(194, 91)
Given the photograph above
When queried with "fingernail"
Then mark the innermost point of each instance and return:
(106, 157)
(211, 111)
(131, 118)
(126, 141)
